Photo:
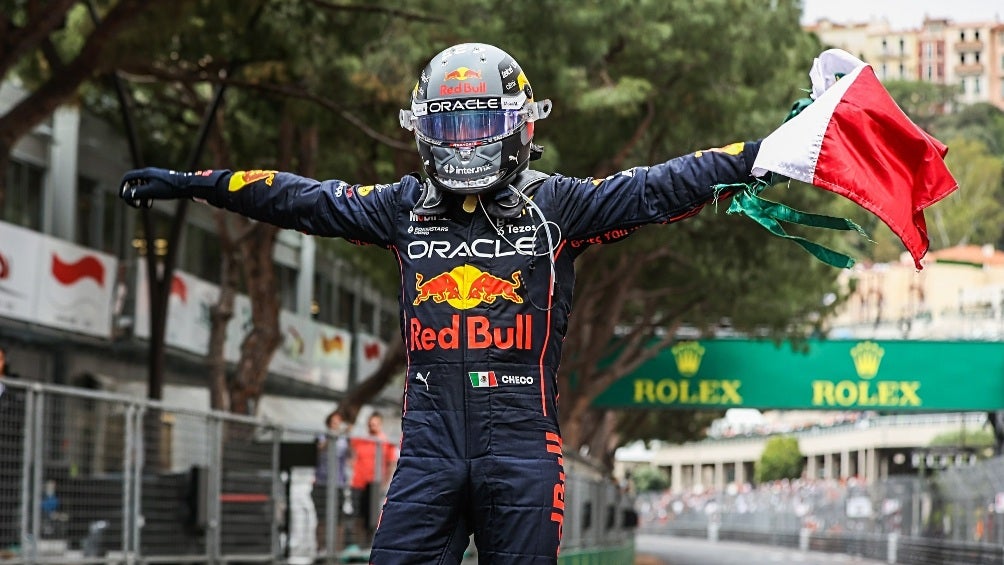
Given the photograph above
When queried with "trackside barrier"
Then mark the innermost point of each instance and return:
(92, 477)
(955, 516)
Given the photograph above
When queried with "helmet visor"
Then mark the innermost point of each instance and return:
(469, 125)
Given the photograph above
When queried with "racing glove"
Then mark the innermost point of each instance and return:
(140, 187)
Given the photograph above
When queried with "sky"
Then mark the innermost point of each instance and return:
(902, 14)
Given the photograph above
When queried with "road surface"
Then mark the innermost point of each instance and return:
(692, 551)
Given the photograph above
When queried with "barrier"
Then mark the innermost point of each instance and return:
(93, 477)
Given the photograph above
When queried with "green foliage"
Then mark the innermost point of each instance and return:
(978, 439)
(978, 122)
(781, 459)
(649, 478)
(672, 426)
(973, 215)
(922, 101)
(634, 82)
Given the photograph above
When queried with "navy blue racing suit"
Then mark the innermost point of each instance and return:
(480, 447)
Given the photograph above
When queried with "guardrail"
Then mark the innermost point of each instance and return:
(92, 477)
(954, 516)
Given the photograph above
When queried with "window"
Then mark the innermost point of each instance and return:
(962, 85)
(884, 71)
(977, 89)
(367, 310)
(962, 35)
(346, 302)
(902, 46)
(323, 307)
(203, 254)
(287, 286)
(23, 202)
(99, 215)
(902, 71)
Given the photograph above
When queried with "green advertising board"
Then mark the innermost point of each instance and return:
(900, 376)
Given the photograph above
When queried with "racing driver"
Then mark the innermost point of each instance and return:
(486, 248)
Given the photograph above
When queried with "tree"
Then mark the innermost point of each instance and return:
(781, 459)
(648, 478)
(981, 122)
(975, 215)
(634, 83)
(58, 45)
(922, 101)
(982, 440)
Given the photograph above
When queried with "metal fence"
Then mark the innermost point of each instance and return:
(92, 477)
(955, 515)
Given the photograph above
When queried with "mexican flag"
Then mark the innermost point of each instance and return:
(483, 379)
(852, 139)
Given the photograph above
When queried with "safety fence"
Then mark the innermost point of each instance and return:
(955, 515)
(92, 477)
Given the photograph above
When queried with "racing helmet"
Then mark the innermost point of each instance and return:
(472, 111)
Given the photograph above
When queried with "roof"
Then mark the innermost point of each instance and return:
(984, 255)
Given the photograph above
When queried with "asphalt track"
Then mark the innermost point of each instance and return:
(668, 550)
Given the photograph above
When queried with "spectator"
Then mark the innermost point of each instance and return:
(335, 424)
(5, 370)
(364, 478)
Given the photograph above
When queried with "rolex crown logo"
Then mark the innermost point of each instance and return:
(688, 356)
(867, 356)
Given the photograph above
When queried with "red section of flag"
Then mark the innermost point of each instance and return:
(875, 156)
(84, 268)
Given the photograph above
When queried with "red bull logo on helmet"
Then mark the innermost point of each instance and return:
(467, 286)
(462, 73)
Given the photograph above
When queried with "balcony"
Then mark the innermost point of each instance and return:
(969, 69)
(969, 45)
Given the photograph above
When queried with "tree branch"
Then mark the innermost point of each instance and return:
(43, 101)
(414, 16)
(272, 88)
(16, 42)
(616, 163)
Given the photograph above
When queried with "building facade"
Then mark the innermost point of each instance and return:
(968, 55)
(62, 202)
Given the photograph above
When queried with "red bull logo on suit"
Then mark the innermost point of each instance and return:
(462, 288)
(467, 286)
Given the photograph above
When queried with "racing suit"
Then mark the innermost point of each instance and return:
(483, 317)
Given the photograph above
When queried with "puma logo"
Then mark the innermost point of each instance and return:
(424, 378)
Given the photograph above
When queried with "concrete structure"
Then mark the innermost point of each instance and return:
(870, 449)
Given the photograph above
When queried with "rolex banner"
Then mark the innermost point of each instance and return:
(893, 376)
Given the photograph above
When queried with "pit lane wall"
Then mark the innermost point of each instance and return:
(91, 476)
